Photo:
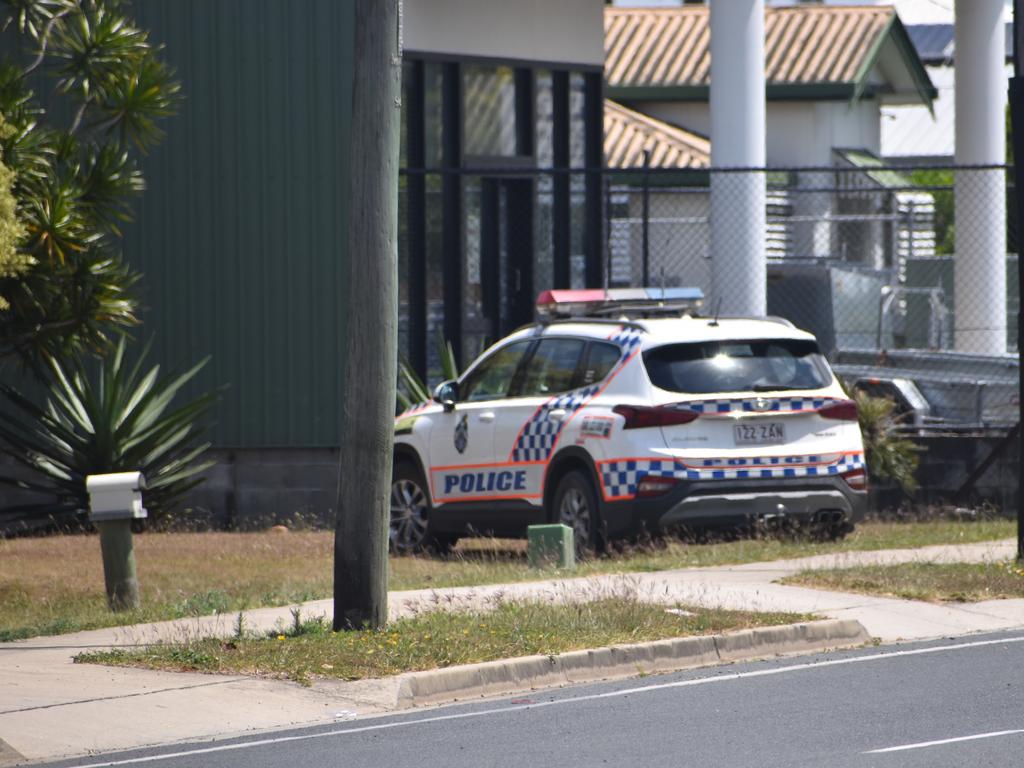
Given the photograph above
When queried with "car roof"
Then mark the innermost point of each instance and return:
(669, 330)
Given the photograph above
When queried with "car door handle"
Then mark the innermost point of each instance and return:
(557, 414)
(486, 416)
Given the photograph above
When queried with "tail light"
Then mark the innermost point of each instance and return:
(654, 485)
(844, 410)
(639, 416)
(858, 479)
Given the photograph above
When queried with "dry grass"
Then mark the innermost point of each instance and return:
(54, 585)
(439, 639)
(485, 561)
(934, 582)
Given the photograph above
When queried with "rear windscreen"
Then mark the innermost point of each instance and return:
(764, 365)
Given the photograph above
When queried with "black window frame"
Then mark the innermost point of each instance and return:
(455, 165)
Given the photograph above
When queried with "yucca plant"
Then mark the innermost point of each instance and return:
(890, 456)
(113, 419)
(411, 388)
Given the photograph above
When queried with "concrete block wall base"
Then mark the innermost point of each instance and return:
(494, 678)
(255, 488)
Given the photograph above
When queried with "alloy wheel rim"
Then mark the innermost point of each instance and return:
(575, 513)
(408, 515)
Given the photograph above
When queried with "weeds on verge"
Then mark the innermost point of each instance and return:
(308, 649)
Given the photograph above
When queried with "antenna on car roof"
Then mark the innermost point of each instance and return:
(718, 309)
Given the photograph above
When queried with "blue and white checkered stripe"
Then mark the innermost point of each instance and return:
(628, 340)
(620, 478)
(769, 405)
(538, 438)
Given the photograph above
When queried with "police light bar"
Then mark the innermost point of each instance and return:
(598, 301)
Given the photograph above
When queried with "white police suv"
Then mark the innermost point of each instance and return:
(624, 410)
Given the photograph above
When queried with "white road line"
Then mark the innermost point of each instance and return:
(923, 744)
(883, 656)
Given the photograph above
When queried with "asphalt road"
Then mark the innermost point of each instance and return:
(957, 702)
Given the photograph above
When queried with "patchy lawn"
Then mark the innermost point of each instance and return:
(54, 585)
(934, 582)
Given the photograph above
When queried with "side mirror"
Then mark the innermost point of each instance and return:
(447, 393)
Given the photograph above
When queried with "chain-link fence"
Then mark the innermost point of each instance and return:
(907, 272)
(907, 276)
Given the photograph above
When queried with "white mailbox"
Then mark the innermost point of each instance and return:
(115, 496)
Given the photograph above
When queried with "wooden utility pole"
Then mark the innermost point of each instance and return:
(371, 330)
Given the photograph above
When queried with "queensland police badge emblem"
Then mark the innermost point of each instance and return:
(462, 434)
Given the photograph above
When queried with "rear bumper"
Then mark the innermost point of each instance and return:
(738, 502)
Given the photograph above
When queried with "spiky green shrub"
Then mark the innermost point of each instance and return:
(83, 95)
(890, 455)
(411, 388)
(113, 419)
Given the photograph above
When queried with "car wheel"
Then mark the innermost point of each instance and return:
(410, 511)
(575, 505)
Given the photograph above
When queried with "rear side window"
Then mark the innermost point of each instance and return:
(600, 360)
(762, 365)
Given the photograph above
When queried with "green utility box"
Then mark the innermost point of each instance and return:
(550, 545)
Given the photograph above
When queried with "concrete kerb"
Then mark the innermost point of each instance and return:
(511, 675)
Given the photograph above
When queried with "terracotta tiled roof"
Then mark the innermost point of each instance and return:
(670, 47)
(627, 134)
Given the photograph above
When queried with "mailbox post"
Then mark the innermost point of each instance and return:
(115, 500)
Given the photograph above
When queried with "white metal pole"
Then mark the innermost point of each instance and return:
(979, 271)
(812, 230)
(738, 141)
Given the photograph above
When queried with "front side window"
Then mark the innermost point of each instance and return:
(492, 379)
(552, 369)
(763, 365)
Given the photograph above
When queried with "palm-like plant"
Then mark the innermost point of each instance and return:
(75, 183)
(411, 388)
(890, 456)
(119, 419)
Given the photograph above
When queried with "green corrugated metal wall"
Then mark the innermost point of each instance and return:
(241, 234)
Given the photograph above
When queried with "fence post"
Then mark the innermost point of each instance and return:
(608, 232)
(911, 215)
(647, 217)
(1016, 99)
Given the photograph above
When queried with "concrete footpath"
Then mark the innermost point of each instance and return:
(52, 708)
